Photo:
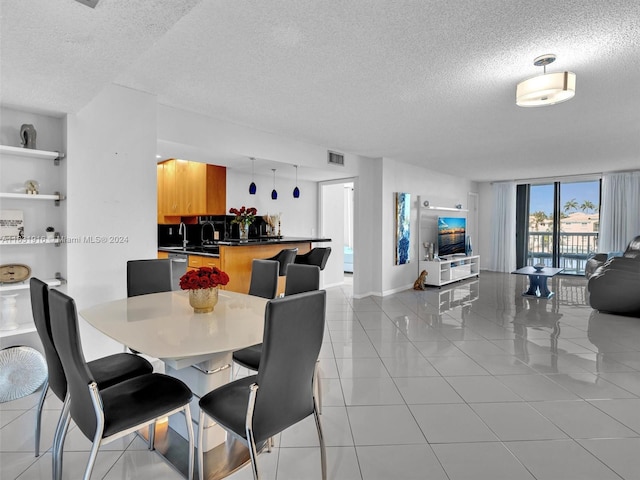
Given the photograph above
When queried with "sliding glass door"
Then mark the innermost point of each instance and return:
(579, 223)
(540, 244)
(560, 223)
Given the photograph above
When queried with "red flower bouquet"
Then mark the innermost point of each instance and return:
(245, 216)
(203, 277)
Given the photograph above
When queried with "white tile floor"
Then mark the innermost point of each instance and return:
(472, 381)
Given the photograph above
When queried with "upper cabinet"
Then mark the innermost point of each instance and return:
(190, 189)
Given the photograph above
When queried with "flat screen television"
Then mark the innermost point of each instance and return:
(451, 235)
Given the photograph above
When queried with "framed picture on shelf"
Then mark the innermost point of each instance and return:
(11, 225)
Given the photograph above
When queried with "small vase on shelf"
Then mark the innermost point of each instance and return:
(203, 300)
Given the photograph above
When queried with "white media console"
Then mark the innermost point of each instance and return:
(449, 270)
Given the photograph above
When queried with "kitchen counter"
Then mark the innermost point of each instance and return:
(235, 257)
(209, 251)
(214, 250)
(271, 241)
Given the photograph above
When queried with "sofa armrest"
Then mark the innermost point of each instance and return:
(615, 290)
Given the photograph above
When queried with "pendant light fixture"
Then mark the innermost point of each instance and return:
(252, 187)
(274, 193)
(548, 88)
(296, 191)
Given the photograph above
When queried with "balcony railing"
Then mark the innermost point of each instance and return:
(575, 248)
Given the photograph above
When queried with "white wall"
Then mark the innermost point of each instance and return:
(439, 188)
(333, 213)
(367, 229)
(299, 217)
(111, 188)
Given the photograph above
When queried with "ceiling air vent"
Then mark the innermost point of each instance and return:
(335, 158)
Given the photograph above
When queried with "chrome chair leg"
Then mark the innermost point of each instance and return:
(323, 453)
(97, 437)
(249, 430)
(254, 454)
(317, 388)
(152, 435)
(201, 420)
(43, 395)
(93, 454)
(187, 415)
(60, 434)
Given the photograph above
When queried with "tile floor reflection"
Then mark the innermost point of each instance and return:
(471, 381)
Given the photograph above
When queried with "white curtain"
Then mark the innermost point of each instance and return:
(620, 210)
(503, 228)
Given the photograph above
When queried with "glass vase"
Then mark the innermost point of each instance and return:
(203, 300)
(244, 231)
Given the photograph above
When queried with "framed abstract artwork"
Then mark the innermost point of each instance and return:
(402, 233)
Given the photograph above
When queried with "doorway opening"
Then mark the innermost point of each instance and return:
(337, 207)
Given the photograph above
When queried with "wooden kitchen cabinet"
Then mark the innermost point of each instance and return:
(197, 261)
(190, 189)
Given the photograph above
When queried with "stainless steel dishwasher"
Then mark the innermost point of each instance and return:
(179, 262)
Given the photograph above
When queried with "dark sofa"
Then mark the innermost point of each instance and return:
(614, 287)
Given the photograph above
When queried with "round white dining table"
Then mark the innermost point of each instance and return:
(163, 325)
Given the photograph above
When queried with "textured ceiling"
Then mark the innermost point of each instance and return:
(430, 82)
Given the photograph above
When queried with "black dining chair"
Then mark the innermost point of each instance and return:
(264, 278)
(104, 415)
(316, 256)
(302, 278)
(258, 407)
(148, 276)
(107, 371)
(285, 258)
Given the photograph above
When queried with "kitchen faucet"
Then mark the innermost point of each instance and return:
(182, 230)
(202, 240)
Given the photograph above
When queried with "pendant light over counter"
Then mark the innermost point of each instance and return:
(252, 187)
(296, 191)
(274, 193)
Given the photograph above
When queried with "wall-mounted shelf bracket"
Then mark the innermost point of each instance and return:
(56, 161)
(60, 197)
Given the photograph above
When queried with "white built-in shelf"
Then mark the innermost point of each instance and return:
(27, 196)
(448, 209)
(31, 241)
(30, 152)
(22, 328)
(10, 287)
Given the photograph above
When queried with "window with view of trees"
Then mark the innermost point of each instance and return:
(561, 224)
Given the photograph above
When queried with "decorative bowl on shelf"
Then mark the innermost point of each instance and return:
(538, 267)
